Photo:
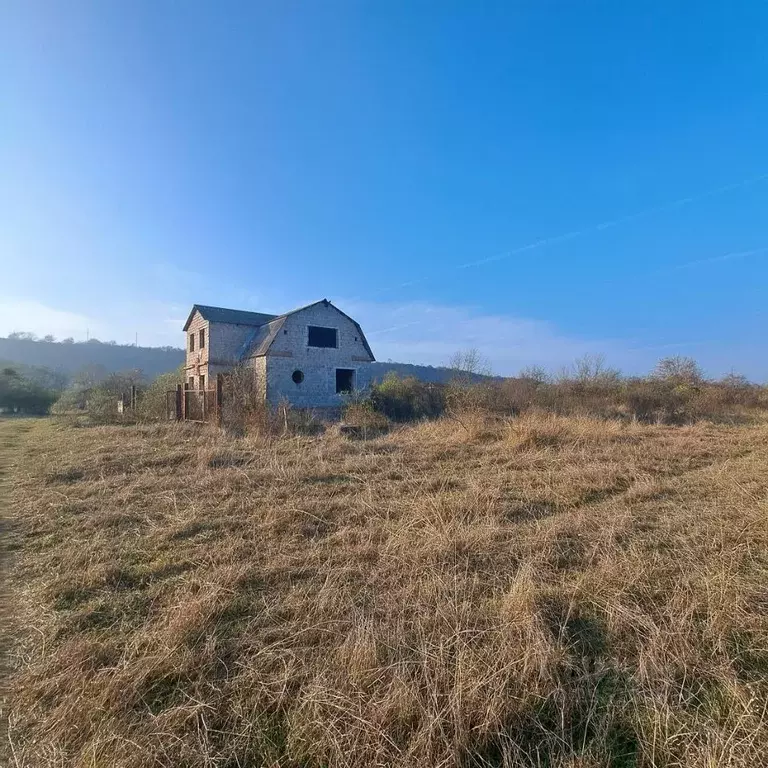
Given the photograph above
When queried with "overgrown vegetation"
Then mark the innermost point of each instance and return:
(407, 399)
(21, 394)
(676, 392)
(564, 571)
(96, 395)
(532, 591)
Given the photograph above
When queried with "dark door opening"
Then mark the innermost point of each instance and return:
(345, 380)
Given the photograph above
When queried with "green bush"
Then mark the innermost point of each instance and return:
(407, 399)
(96, 395)
(20, 394)
(152, 402)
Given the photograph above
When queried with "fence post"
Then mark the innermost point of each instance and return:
(219, 396)
(185, 400)
(133, 397)
(179, 410)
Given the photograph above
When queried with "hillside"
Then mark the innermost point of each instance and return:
(542, 591)
(68, 359)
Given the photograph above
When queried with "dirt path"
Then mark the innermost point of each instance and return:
(12, 433)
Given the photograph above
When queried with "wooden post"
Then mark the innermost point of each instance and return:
(203, 404)
(133, 397)
(179, 409)
(219, 396)
(185, 400)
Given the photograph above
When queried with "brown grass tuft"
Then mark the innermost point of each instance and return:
(472, 591)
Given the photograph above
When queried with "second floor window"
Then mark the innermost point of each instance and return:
(202, 338)
(322, 337)
(191, 342)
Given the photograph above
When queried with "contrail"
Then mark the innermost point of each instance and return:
(392, 328)
(711, 260)
(672, 345)
(603, 225)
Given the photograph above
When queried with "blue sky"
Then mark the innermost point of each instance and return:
(453, 174)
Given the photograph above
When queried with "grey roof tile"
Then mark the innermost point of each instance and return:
(232, 316)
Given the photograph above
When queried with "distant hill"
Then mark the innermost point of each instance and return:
(423, 372)
(69, 358)
(66, 359)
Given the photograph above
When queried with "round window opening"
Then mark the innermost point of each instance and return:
(297, 376)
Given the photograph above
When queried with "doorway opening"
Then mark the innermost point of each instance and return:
(345, 380)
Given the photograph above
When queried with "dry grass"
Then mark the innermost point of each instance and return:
(545, 591)
(12, 431)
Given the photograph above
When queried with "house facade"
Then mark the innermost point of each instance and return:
(310, 357)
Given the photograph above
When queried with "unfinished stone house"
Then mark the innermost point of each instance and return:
(311, 356)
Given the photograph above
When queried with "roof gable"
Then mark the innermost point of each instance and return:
(262, 340)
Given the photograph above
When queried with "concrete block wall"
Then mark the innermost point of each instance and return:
(227, 342)
(223, 344)
(259, 366)
(290, 352)
(197, 361)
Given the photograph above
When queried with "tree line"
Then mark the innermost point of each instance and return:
(51, 339)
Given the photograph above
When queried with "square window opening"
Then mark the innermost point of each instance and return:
(202, 338)
(322, 337)
(202, 381)
(345, 380)
(191, 342)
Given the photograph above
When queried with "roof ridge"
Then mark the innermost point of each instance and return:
(306, 306)
(227, 315)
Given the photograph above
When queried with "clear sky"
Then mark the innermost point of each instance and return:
(453, 174)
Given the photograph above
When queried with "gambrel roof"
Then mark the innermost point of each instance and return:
(265, 327)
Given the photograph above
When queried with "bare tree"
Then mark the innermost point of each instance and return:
(591, 369)
(468, 364)
(535, 374)
(678, 370)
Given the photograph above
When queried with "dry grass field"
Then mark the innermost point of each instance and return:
(543, 591)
